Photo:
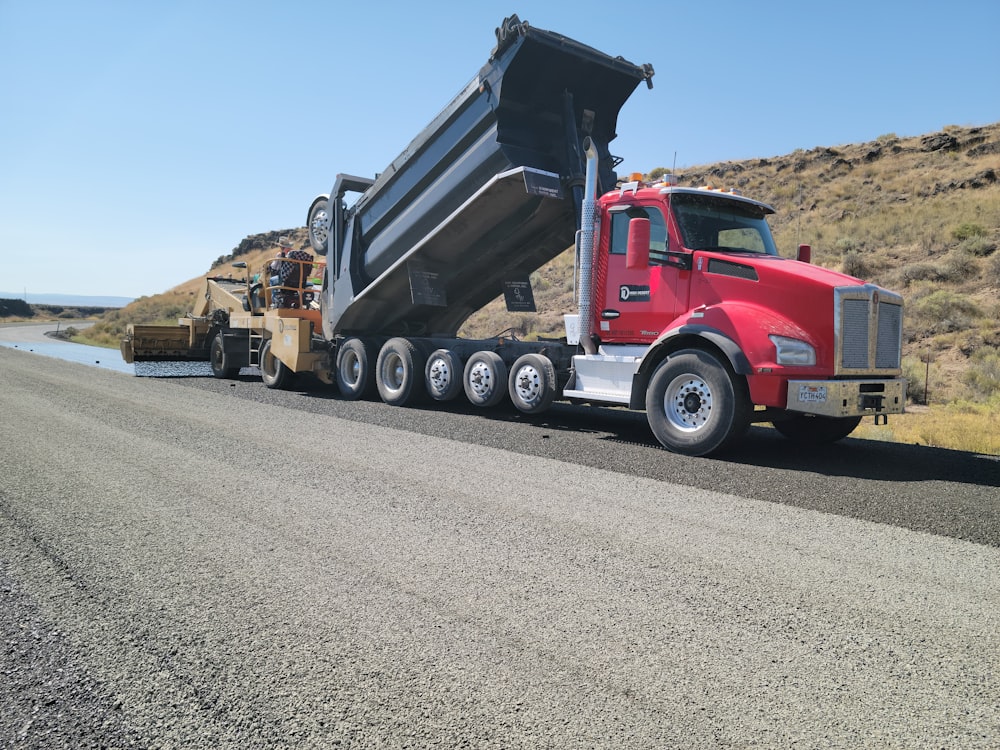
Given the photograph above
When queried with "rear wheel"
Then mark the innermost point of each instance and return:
(816, 430)
(696, 405)
(399, 372)
(443, 375)
(273, 371)
(485, 379)
(221, 361)
(355, 374)
(532, 383)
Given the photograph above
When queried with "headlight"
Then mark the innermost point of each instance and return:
(793, 352)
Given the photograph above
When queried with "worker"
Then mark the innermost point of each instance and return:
(279, 267)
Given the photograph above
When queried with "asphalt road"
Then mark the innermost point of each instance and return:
(192, 563)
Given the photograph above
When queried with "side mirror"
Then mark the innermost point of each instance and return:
(637, 251)
(804, 254)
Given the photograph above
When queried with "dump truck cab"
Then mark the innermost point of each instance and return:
(695, 271)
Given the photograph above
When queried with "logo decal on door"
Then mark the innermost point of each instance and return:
(632, 293)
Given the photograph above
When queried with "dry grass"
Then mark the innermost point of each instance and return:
(961, 426)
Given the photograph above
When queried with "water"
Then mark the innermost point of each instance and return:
(111, 359)
(94, 356)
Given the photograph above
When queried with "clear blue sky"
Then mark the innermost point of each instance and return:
(139, 141)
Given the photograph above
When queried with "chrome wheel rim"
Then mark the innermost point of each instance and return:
(687, 403)
(481, 379)
(528, 384)
(440, 375)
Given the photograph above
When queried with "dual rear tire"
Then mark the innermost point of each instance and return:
(399, 372)
(443, 375)
(355, 371)
(532, 385)
(485, 379)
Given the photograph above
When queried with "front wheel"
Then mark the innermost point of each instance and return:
(273, 371)
(695, 404)
(816, 430)
(221, 361)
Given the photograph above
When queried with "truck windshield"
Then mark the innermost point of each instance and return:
(709, 222)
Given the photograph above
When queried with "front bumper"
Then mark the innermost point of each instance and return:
(847, 398)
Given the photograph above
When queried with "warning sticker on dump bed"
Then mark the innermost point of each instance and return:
(815, 394)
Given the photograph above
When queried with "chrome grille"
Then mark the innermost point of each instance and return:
(854, 334)
(869, 324)
(890, 328)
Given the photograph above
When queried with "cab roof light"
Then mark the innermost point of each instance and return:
(632, 186)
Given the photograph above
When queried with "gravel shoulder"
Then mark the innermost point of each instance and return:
(210, 565)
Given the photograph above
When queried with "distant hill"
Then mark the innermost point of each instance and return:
(919, 215)
(69, 300)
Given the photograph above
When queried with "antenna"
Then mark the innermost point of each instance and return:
(670, 195)
(798, 220)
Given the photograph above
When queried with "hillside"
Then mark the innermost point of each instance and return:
(919, 215)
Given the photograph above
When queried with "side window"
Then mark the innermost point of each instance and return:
(657, 232)
(619, 232)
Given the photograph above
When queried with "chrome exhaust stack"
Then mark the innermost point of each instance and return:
(586, 243)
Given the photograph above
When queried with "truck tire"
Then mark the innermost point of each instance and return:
(532, 383)
(318, 224)
(695, 404)
(355, 374)
(816, 430)
(273, 371)
(443, 375)
(221, 361)
(399, 372)
(485, 379)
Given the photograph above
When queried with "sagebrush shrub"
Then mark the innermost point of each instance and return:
(992, 272)
(978, 246)
(855, 264)
(942, 311)
(967, 230)
(983, 375)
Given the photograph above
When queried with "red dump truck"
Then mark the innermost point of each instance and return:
(686, 310)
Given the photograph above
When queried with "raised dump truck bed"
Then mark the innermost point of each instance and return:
(487, 193)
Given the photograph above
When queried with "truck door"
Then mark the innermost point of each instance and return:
(637, 303)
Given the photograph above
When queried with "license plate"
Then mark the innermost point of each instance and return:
(812, 394)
